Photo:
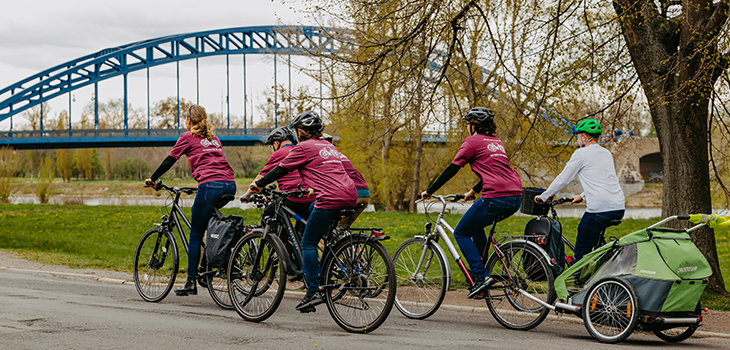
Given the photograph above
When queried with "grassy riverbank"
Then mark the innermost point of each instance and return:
(105, 237)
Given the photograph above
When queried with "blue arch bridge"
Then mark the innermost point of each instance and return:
(120, 61)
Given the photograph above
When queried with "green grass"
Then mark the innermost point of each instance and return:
(105, 237)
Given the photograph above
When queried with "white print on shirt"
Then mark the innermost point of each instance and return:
(206, 143)
(330, 151)
(494, 147)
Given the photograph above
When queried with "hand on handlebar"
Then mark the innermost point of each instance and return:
(425, 195)
(539, 200)
(470, 196)
(149, 183)
(311, 193)
(576, 198)
(253, 188)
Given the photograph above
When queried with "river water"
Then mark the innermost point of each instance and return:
(456, 208)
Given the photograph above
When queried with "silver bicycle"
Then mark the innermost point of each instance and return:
(521, 270)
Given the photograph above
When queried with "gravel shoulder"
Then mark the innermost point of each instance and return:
(714, 321)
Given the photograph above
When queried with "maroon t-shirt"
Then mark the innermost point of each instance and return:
(289, 181)
(320, 166)
(355, 175)
(489, 162)
(205, 157)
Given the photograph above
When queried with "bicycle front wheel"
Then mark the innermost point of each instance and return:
(254, 277)
(155, 264)
(359, 284)
(521, 270)
(421, 288)
(217, 284)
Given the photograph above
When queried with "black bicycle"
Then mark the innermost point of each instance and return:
(357, 274)
(156, 259)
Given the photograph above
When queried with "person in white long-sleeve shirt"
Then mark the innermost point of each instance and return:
(601, 190)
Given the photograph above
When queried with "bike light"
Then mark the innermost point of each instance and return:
(541, 240)
(700, 317)
(379, 233)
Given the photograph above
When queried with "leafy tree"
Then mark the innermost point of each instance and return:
(542, 65)
(10, 164)
(43, 186)
(164, 113)
(64, 164)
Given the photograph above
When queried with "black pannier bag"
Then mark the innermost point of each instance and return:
(552, 231)
(222, 234)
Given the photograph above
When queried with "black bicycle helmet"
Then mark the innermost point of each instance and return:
(308, 121)
(279, 134)
(480, 114)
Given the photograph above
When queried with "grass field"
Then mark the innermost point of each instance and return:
(105, 237)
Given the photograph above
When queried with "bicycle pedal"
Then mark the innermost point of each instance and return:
(308, 310)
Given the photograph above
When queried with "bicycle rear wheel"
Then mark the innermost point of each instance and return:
(359, 284)
(522, 269)
(155, 264)
(255, 281)
(420, 290)
(217, 284)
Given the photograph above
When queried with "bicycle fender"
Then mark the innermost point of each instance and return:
(441, 252)
(533, 245)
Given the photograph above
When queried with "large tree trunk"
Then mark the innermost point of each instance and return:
(677, 84)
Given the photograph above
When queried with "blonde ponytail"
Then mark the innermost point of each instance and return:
(201, 126)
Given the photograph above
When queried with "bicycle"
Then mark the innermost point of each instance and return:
(356, 270)
(519, 267)
(540, 237)
(156, 259)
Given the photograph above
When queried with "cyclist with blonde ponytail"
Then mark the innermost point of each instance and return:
(213, 174)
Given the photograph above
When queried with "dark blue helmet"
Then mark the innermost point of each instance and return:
(308, 121)
(279, 134)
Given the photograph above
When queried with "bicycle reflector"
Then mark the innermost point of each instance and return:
(378, 233)
(542, 240)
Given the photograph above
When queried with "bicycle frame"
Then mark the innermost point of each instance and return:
(440, 232)
(175, 215)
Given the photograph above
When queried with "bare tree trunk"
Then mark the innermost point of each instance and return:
(415, 182)
(677, 85)
(385, 187)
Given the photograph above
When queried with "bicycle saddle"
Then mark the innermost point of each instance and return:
(614, 222)
(224, 199)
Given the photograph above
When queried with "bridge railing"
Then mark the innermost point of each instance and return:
(116, 133)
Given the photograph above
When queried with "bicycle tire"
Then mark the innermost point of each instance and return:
(360, 284)
(420, 293)
(217, 284)
(611, 310)
(527, 271)
(256, 292)
(678, 334)
(152, 260)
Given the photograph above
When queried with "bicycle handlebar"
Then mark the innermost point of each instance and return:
(453, 198)
(160, 186)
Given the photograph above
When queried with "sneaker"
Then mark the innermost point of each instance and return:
(480, 287)
(309, 301)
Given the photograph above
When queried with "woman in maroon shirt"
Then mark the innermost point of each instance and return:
(500, 185)
(213, 174)
(320, 165)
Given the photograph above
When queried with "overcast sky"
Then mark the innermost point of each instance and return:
(39, 34)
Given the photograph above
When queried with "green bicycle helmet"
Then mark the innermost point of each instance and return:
(589, 126)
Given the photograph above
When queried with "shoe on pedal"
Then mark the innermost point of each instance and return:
(477, 292)
(188, 289)
(309, 301)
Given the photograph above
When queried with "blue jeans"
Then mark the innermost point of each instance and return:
(589, 230)
(205, 202)
(469, 233)
(317, 225)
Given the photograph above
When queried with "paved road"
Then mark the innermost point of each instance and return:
(47, 312)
